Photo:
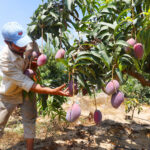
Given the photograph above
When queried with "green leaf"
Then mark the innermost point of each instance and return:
(143, 36)
(43, 17)
(54, 15)
(86, 17)
(69, 3)
(136, 64)
(92, 72)
(81, 64)
(83, 83)
(103, 57)
(122, 66)
(63, 61)
(32, 28)
(123, 13)
(119, 74)
(89, 58)
(84, 57)
(122, 43)
(112, 26)
(105, 35)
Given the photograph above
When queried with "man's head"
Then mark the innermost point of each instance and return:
(14, 36)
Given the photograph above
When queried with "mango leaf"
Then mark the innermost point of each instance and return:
(81, 64)
(85, 57)
(122, 66)
(120, 25)
(63, 61)
(112, 26)
(69, 3)
(85, 18)
(54, 15)
(121, 42)
(123, 13)
(92, 72)
(104, 28)
(83, 83)
(136, 64)
(84, 72)
(107, 34)
(102, 55)
(126, 59)
(49, 5)
(119, 74)
(143, 36)
(32, 28)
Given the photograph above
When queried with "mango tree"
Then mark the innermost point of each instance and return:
(105, 29)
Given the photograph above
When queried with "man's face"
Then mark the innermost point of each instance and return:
(17, 49)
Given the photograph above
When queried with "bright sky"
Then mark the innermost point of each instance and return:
(16, 10)
(19, 11)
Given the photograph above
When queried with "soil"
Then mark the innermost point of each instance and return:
(116, 131)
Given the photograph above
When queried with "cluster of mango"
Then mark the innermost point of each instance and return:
(112, 88)
(137, 48)
(41, 59)
(117, 97)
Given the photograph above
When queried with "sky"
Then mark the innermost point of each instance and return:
(21, 11)
(16, 10)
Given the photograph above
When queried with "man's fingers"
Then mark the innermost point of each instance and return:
(61, 87)
(65, 94)
(66, 90)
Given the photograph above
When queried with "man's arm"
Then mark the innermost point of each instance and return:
(37, 88)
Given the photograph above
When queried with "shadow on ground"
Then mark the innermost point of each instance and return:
(109, 135)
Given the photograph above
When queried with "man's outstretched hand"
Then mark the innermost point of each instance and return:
(59, 91)
(37, 88)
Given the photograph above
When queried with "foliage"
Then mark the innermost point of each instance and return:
(52, 108)
(106, 28)
(135, 94)
(131, 105)
(97, 54)
(52, 75)
(134, 90)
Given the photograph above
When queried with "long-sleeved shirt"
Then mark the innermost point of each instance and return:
(13, 80)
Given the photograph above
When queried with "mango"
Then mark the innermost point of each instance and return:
(117, 98)
(60, 54)
(42, 59)
(138, 50)
(29, 72)
(131, 42)
(112, 87)
(35, 54)
(73, 113)
(97, 116)
(70, 87)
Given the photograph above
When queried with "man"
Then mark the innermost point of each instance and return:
(12, 66)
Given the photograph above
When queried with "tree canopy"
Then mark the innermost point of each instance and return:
(97, 54)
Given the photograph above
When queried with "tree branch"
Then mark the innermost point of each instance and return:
(138, 76)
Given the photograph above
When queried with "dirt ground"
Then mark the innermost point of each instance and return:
(116, 131)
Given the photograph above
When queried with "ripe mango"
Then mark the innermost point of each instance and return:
(138, 50)
(131, 42)
(97, 116)
(112, 87)
(41, 60)
(117, 98)
(60, 54)
(35, 54)
(70, 87)
(29, 72)
(73, 113)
